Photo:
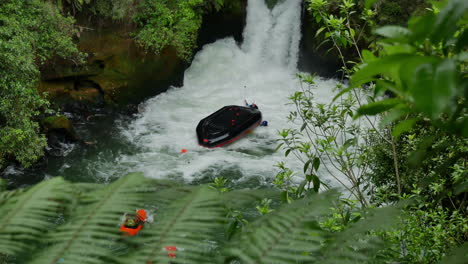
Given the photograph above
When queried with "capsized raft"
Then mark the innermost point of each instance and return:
(227, 125)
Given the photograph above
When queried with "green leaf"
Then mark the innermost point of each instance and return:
(72, 240)
(378, 107)
(28, 214)
(462, 41)
(367, 56)
(393, 115)
(319, 31)
(421, 27)
(301, 187)
(198, 210)
(394, 32)
(443, 27)
(306, 165)
(316, 163)
(283, 235)
(279, 146)
(434, 87)
(343, 91)
(369, 3)
(316, 182)
(387, 65)
(403, 126)
(407, 70)
(458, 256)
(381, 86)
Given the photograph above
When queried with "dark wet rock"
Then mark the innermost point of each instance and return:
(59, 124)
(227, 22)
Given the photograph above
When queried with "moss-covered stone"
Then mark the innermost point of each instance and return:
(60, 123)
(66, 92)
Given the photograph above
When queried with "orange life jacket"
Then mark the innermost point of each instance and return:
(141, 215)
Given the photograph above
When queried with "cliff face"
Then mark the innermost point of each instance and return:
(119, 73)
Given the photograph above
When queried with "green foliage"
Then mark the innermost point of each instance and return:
(219, 184)
(94, 222)
(287, 235)
(419, 151)
(425, 235)
(329, 139)
(30, 33)
(166, 23)
(26, 216)
(420, 65)
(57, 221)
(115, 9)
(188, 223)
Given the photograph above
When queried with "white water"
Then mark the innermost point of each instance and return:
(262, 69)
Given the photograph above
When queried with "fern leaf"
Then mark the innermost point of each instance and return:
(285, 236)
(355, 245)
(189, 224)
(93, 226)
(25, 216)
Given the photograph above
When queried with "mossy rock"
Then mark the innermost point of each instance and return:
(59, 123)
(65, 92)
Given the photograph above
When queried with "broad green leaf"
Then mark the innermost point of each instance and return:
(369, 3)
(458, 256)
(381, 86)
(387, 65)
(306, 165)
(421, 27)
(316, 182)
(444, 28)
(407, 70)
(394, 32)
(367, 56)
(462, 41)
(338, 95)
(403, 126)
(319, 31)
(378, 107)
(434, 86)
(316, 163)
(392, 48)
(393, 115)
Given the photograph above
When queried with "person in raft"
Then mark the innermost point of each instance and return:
(253, 105)
(133, 223)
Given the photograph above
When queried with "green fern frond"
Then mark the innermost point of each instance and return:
(457, 256)
(242, 198)
(26, 216)
(7, 195)
(355, 244)
(287, 235)
(189, 223)
(95, 224)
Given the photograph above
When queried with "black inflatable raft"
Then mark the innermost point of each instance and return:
(227, 125)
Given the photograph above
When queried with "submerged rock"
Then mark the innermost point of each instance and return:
(60, 124)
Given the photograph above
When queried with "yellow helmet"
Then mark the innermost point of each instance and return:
(130, 222)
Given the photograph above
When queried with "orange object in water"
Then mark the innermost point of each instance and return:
(183, 151)
(141, 215)
(171, 251)
(140, 218)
